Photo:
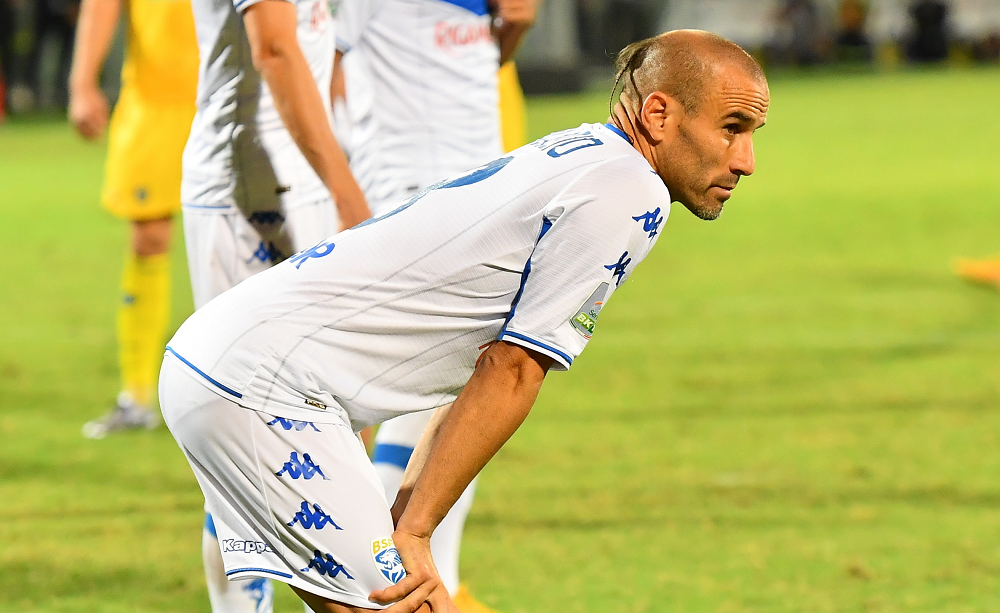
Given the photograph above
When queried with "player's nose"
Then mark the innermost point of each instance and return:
(742, 163)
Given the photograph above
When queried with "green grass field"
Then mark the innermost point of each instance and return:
(793, 409)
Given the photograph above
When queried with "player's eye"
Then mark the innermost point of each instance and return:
(733, 128)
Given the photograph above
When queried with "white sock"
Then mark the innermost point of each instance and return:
(247, 596)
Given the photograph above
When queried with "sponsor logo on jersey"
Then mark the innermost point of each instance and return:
(312, 518)
(450, 35)
(288, 424)
(319, 14)
(304, 468)
(387, 560)
(651, 221)
(245, 546)
(324, 564)
(618, 268)
(316, 251)
(585, 319)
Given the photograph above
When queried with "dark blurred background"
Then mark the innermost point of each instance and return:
(575, 41)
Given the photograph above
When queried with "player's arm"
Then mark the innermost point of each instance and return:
(88, 107)
(514, 18)
(271, 30)
(460, 440)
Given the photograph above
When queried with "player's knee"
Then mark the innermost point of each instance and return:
(151, 237)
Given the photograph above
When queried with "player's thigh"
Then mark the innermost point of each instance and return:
(142, 173)
(310, 223)
(223, 249)
(293, 501)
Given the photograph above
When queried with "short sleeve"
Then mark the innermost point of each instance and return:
(593, 236)
(352, 20)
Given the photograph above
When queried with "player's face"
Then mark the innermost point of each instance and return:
(714, 148)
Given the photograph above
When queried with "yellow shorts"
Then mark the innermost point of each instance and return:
(142, 175)
(513, 116)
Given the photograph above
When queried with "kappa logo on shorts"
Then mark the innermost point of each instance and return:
(288, 424)
(324, 564)
(245, 546)
(304, 468)
(265, 253)
(312, 518)
(651, 221)
(387, 560)
(316, 251)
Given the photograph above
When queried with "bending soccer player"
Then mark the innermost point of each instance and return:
(425, 97)
(142, 176)
(260, 167)
(461, 299)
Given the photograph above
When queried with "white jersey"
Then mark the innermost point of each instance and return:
(239, 153)
(390, 316)
(431, 66)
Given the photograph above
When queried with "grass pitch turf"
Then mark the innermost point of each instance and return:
(794, 408)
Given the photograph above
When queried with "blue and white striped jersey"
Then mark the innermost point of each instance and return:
(390, 316)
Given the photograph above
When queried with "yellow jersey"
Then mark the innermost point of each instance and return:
(161, 58)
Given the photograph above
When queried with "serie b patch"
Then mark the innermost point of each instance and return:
(585, 319)
(387, 560)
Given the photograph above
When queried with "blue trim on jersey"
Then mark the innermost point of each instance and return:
(478, 7)
(215, 207)
(618, 131)
(199, 371)
(546, 224)
(210, 525)
(559, 353)
(259, 570)
(397, 455)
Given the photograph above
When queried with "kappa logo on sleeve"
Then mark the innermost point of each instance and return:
(387, 560)
(651, 221)
(585, 319)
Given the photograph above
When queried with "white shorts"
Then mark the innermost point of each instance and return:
(223, 248)
(291, 500)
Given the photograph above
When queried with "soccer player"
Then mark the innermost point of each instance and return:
(259, 170)
(423, 82)
(142, 173)
(461, 299)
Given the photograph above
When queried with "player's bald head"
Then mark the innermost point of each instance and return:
(681, 64)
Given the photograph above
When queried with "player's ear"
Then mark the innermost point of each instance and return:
(660, 114)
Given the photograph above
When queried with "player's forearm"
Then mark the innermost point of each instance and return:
(94, 32)
(492, 406)
(509, 37)
(301, 109)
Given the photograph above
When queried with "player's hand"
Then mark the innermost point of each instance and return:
(520, 12)
(352, 209)
(421, 589)
(88, 111)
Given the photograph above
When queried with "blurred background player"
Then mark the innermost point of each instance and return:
(142, 174)
(424, 102)
(263, 174)
(985, 271)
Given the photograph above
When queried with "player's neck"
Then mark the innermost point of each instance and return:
(628, 123)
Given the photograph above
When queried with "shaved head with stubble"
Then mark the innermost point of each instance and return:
(690, 101)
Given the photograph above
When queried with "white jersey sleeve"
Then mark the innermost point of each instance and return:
(352, 21)
(589, 245)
